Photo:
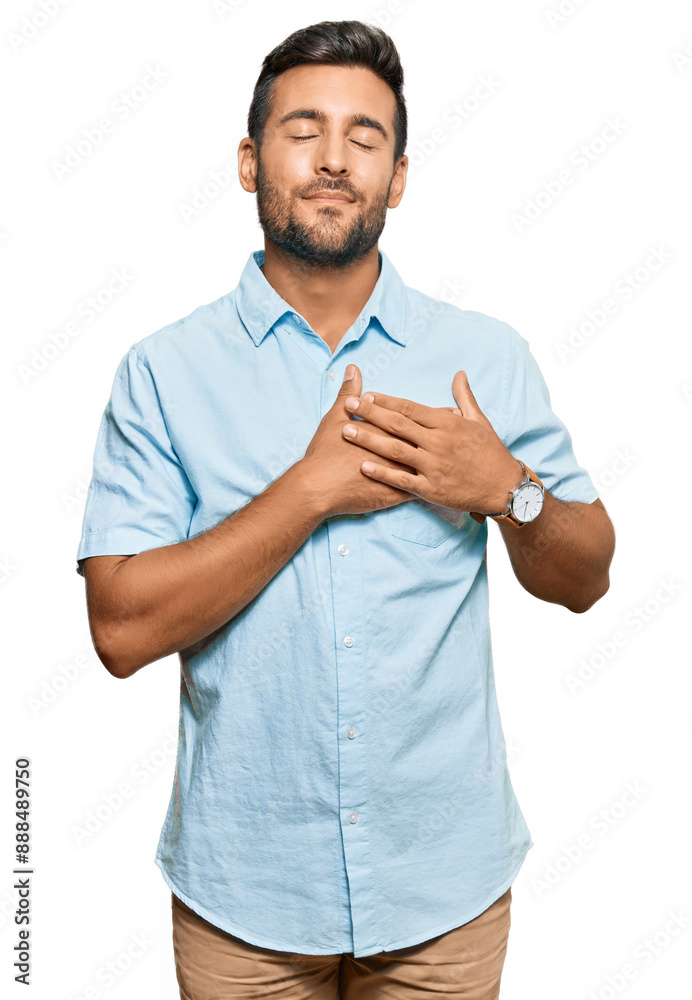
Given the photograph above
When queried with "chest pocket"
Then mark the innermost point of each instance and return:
(415, 522)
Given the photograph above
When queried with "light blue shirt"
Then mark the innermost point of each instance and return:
(341, 782)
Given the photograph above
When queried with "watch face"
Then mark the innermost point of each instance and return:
(527, 502)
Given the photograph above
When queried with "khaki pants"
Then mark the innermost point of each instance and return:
(464, 963)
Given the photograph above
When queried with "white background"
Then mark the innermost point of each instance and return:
(625, 394)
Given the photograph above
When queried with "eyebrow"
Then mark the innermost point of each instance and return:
(320, 116)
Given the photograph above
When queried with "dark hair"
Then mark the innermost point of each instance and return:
(337, 43)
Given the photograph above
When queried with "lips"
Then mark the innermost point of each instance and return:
(331, 195)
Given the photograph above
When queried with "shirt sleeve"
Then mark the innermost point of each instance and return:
(139, 496)
(534, 434)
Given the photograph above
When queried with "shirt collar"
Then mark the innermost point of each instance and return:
(260, 306)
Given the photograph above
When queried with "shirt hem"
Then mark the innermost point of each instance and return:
(570, 496)
(251, 938)
(477, 910)
(230, 928)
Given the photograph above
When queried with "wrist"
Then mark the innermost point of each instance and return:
(507, 481)
(309, 489)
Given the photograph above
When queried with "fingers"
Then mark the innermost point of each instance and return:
(383, 445)
(394, 477)
(391, 418)
(350, 386)
(410, 411)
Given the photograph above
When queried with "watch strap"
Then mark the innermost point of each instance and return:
(507, 515)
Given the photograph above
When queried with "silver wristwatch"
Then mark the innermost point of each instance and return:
(526, 500)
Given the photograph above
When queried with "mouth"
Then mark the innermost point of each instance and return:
(331, 198)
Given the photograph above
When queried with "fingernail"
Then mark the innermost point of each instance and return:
(349, 373)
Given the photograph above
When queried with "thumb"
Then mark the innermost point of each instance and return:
(350, 386)
(463, 395)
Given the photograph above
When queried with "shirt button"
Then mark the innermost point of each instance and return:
(343, 550)
(353, 817)
(349, 640)
(331, 374)
(351, 732)
(296, 318)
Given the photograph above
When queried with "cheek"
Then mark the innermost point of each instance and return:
(377, 191)
(287, 174)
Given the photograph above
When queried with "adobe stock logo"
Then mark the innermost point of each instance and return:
(583, 157)
(682, 60)
(33, 24)
(601, 823)
(619, 466)
(454, 116)
(623, 290)
(556, 16)
(225, 7)
(203, 195)
(121, 107)
(89, 309)
(634, 622)
(644, 954)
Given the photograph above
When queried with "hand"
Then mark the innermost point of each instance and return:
(458, 460)
(333, 464)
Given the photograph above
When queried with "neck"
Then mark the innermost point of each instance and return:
(330, 299)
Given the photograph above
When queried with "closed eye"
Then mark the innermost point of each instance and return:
(301, 138)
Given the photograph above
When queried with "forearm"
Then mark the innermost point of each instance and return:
(167, 598)
(564, 555)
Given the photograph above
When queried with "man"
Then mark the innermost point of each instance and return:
(342, 823)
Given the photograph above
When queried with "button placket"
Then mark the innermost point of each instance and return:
(351, 652)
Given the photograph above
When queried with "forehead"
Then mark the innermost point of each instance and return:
(338, 91)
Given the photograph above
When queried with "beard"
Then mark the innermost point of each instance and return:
(329, 242)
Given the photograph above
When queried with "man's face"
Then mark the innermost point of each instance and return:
(324, 137)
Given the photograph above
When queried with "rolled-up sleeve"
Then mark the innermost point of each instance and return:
(139, 496)
(533, 433)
